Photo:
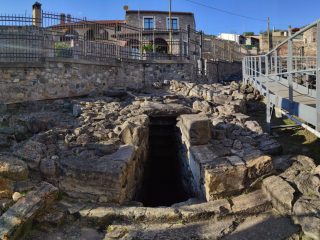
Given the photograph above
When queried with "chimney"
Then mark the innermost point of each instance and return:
(62, 18)
(36, 14)
(68, 18)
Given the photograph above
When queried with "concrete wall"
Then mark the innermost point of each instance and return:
(220, 71)
(62, 78)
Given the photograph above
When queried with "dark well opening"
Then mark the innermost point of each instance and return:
(162, 183)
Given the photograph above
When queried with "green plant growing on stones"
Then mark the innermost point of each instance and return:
(110, 228)
(62, 49)
(24, 193)
(148, 48)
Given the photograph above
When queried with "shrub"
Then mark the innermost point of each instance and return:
(62, 49)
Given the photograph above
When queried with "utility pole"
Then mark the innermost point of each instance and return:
(170, 26)
(269, 47)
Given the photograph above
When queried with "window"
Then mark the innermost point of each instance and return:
(174, 23)
(148, 23)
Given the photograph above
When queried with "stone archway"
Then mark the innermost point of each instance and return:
(161, 45)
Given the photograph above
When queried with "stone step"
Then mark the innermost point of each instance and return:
(251, 203)
(209, 229)
(218, 208)
(15, 220)
(265, 226)
(243, 205)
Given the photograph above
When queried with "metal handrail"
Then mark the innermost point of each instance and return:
(267, 70)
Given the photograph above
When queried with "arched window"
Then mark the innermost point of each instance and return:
(161, 45)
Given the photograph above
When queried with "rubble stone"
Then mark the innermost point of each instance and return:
(280, 193)
(13, 168)
(196, 129)
(13, 221)
(306, 213)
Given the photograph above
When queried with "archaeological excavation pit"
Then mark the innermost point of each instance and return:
(162, 183)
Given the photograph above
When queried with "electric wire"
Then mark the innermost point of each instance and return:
(226, 11)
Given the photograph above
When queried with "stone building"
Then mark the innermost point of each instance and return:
(309, 47)
(276, 37)
(104, 30)
(144, 31)
(156, 31)
(253, 41)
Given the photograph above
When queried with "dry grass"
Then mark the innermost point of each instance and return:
(293, 140)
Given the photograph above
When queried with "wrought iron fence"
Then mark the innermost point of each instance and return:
(25, 38)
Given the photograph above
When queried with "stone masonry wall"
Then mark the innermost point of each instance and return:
(63, 78)
(219, 70)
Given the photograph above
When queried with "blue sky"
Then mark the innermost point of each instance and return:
(282, 12)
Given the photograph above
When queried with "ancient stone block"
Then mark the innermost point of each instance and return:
(280, 193)
(218, 208)
(259, 166)
(196, 128)
(25, 209)
(48, 167)
(306, 213)
(308, 184)
(253, 126)
(202, 106)
(6, 187)
(223, 178)
(159, 109)
(222, 99)
(300, 163)
(110, 178)
(250, 203)
(32, 152)
(13, 168)
(126, 134)
(205, 155)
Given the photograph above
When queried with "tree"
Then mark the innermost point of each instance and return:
(248, 33)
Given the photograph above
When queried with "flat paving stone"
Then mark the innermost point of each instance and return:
(264, 227)
(178, 231)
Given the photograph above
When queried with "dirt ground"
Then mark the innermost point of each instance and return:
(293, 140)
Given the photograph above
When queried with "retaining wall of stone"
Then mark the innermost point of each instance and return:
(218, 71)
(61, 78)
